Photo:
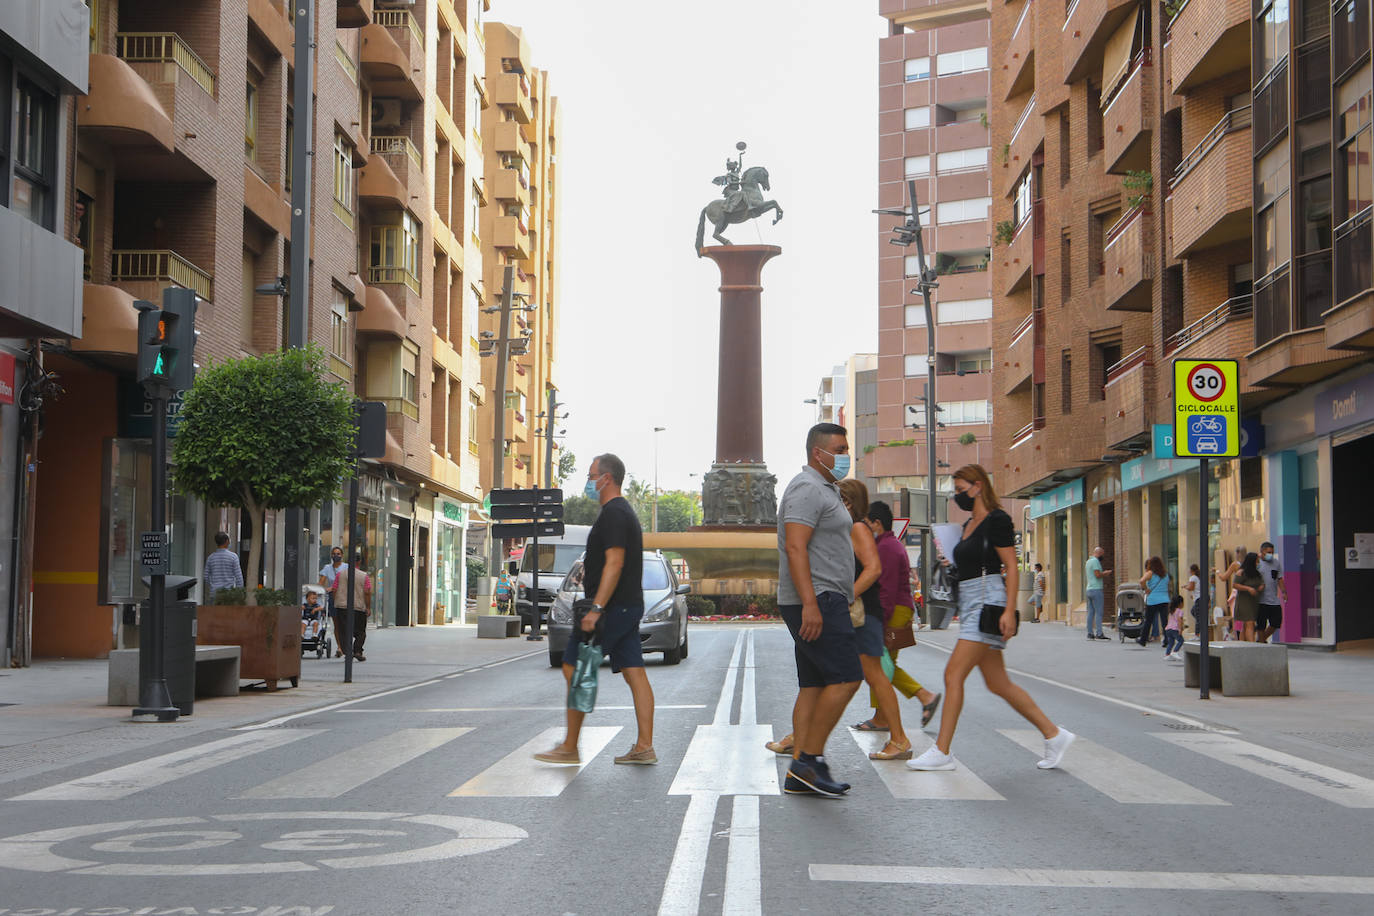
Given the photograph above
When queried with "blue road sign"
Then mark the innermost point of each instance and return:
(1207, 434)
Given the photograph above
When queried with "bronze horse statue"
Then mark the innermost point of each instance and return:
(739, 206)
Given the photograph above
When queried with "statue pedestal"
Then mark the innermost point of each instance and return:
(738, 491)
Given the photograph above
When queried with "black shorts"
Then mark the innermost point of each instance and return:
(620, 640)
(1269, 615)
(833, 657)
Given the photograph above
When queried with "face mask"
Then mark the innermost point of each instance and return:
(1268, 557)
(591, 490)
(840, 470)
(964, 500)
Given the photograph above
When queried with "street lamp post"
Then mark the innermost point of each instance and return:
(657, 430)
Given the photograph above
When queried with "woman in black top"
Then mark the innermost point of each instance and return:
(986, 550)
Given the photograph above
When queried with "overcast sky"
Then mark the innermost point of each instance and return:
(653, 98)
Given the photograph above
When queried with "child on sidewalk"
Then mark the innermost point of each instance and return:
(1173, 630)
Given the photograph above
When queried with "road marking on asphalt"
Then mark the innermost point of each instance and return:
(342, 773)
(121, 782)
(519, 775)
(743, 866)
(1116, 776)
(728, 760)
(748, 703)
(960, 784)
(727, 691)
(682, 888)
(1149, 710)
(561, 708)
(1082, 878)
(1345, 789)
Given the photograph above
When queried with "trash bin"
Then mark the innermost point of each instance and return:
(178, 643)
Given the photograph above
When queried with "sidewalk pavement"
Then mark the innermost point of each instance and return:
(54, 712)
(1329, 716)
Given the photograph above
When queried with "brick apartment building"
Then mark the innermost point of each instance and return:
(178, 171)
(933, 128)
(1148, 212)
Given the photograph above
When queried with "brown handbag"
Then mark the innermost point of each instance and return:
(902, 636)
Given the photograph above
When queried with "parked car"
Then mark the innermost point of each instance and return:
(555, 556)
(664, 627)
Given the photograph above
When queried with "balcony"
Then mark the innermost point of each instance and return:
(1017, 358)
(1087, 26)
(1026, 138)
(163, 57)
(1128, 261)
(122, 111)
(955, 135)
(392, 55)
(1210, 195)
(1226, 329)
(1019, 257)
(354, 14)
(508, 185)
(511, 91)
(401, 156)
(109, 322)
(379, 187)
(1127, 118)
(1130, 396)
(1019, 69)
(508, 138)
(1282, 357)
(1208, 40)
(380, 317)
(510, 233)
(1350, 324)
(145, 273)
(517, 426)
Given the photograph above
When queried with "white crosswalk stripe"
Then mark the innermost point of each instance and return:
(519, 775)
(342, 773)
(1345, 789)
(1115, 775)
(959, 784)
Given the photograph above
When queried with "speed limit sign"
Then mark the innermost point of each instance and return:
(1206, 408)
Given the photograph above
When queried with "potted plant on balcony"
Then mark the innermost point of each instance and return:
(258, 433)
(1006, 231)
(1138, 185)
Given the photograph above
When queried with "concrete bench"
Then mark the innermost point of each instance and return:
(497, 626)
(217, 674)
(1239, 669)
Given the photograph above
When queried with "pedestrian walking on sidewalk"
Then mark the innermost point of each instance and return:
(1094, 577)
(1038, 593)
(611, 574)
(361, 607)
(329, 578)
(1173, 630)
(222, 569)
(984, 555)
(1248, 584)
(1269, 614)
(1156, 585)
(898, 611)
(815, 588)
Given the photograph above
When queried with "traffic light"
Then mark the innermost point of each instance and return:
(152, 336)
(167, 340)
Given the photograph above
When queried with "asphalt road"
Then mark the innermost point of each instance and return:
(424, 800)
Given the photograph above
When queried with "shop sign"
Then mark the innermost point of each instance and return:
(135, 410)
(1070, 494)
(1140, 472)
(453, 512)
(6, 378)
(1346, 404)
(1206, 408)
(1251, 439)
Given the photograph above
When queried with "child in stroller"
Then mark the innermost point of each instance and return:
(314, 623)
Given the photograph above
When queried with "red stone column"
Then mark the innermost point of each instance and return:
(739, 391)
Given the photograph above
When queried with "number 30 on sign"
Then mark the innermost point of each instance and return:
(1206, 408)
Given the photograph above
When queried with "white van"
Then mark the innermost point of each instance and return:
(556, 557)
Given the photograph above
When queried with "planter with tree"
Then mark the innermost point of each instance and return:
(259, 433)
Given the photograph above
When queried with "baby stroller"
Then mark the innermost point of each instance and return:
(315, 625)
(1130, 612)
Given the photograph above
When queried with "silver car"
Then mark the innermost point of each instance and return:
(664, 627)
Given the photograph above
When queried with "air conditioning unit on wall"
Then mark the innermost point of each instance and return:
(386, 113)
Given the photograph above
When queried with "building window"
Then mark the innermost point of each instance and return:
(395, 252)
(956, 62)
(962, 159)
(1349, 34)
(914, 364)
(1353, 158)
(911, 265)
(1065, 267)
(290, 140)
(343, 179)
(1066, 382)
(974, 363)
(1273, 206)
(954, 413)
(917, 118)
(1022, 198)
(250, 120)
(34, 150)
(1271, 44)
(964, 310)
(916, 316)
(916, 166)
(472, 421)
(410, 372)
(917, 68)
(963, 211)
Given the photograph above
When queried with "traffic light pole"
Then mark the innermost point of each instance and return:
(155, 699)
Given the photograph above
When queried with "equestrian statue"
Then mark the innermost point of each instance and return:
(742, 199)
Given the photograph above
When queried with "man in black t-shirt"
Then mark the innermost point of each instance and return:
(612, 570)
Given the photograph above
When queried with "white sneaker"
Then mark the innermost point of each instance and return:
(1055, 748)
(932, 759)
(1168, 655)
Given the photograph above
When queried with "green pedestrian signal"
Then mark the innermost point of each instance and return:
(167, 339)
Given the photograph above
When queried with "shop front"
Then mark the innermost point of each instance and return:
(1058, 518)
(449, 565)
(1162, 514)
(382, 539)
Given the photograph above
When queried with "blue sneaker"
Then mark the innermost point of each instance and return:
(794, 786)
(811, 776)
(825, 771)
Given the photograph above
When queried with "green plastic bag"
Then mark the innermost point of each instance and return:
(889, 666)
(582, 690)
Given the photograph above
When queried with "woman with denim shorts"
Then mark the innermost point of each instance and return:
(988, 547)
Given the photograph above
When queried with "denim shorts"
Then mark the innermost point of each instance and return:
(869, 637)
(832, 657)
(620, 640)
(973, 594)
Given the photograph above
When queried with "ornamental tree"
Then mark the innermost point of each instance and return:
(264, 432)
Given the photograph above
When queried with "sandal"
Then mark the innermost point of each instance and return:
(868, 726)
(782, 747)
(928, 710)
(902, 753)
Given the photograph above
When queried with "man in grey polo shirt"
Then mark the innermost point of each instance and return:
(815, 587)
(1269, 616)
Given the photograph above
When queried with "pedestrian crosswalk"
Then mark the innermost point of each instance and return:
(991, 774)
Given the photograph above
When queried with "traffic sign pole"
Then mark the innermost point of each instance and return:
(154, 697)
(1204, 594)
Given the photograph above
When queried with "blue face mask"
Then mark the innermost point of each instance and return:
(591, 490)
(841, 468)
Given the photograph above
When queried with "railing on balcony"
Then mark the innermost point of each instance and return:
(1023, 434)
(1021, 121)
(1353, 267)
(1132, 360)
(1070, 6)
(345, 60)
(1124, 223)
(1178, 11)
(1312, 287)
(167, 48)
(400, 19)
(1142, 59)
(1232, 309)
(395, 146)
(1234, 120)
(1270, 106)
(1272, 311)
(1313, 94)
(161, 266)
(1022, 329)
(1021, 20)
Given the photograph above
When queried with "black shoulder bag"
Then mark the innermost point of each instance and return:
(990, 620)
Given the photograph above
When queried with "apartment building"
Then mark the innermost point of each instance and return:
(519, 219)
(933, 120)
(179, 173)
(838, 399)
(1148, 216)
(43, 68)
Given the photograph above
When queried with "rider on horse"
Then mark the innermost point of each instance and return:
(730, 186)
